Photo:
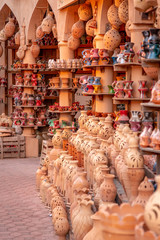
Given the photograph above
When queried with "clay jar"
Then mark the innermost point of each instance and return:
(78, 29)
(83, 219)
(9, 28)
(118, 2)
(112, 39)
(35, 49)
(145, 138)
(61, 227)
(39, 32)
(47, 23)
(80, 182)
(142, 232)
(107, 129)
(82, 119)
(152, 210)
(113, 17)
(123, 11)
(145, 190)
(57, 138)
(73, 43)
(85, 12)
(108, 189)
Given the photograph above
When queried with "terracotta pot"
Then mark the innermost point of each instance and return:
(10, 28)
(78, 29)
(61, 227)
(80, 182)
(57, 138)
(58, 212)
(113, 17)
(29, 59)
(142, 232)
(145, 190)
(112, 39)
(1, 50)
(152, 210)
(90, 27)
(143, 5)
(108, 189)
(82, 119)
(39, 32)
(17, 38)
(47, 23)
(107, 130)
(85, 12)
(123, 11)
(73, 43)
(35, 49)
(3, 36)
(82, 223)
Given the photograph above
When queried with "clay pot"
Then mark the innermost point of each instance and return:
(85, 12)
(47, 23)
(1, 50)
(29, 59)
(112, 39)
(152, 210)
(145, 190)
(61, 227)
(17, 38)
(107, 129)
(123, 11)
(145, 138)
(9, 28)
(39, 174)
(58, 212)
(82, 223)
(82, 119)
(78, 29)
(73, 43)
(90, 27)
(57, 138)
(3, 36)
(39, 32)
(118, 2)
(108, 189)
(142, 232)
(35, 49)
(143, 5)
(113, 17)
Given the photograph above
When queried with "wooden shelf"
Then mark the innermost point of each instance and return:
(151, 106)
(49, 47)
(35, 126)
(63, 111)
(149, 150)
(51, 97)
(131, 99)
(85, 46)
(22, 86)
(62, 88)
(151, 60)
(97, 94)
(128, 64)
(33, 70)
(23, 106)
(95, 66)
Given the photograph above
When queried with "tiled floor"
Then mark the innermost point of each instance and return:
(22, 215)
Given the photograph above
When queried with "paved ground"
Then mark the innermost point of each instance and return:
(22, 215)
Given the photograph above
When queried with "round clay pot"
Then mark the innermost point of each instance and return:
(39, 32)
(17, 38)
(61, 227)
(35, 49)
(90, 27)
(57, 138)
(9, 28)
(3, 36)
(80, 182)
(78, 29)
(152, 210)
(113, 17)
(1, 50)
(82, 119)
(47, 23)
(108, 189)
(85, 11)
(112, 39)
(58, 212)
(145, 190)
(73, 43)
(123, 11)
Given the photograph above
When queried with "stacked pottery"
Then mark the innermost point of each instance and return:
(57, 143)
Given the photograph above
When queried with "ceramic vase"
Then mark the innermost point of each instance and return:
(78, 29)
(39, 32)
(85, 12)
(17, 38)
(35, 49)
(47, 23)
(112, 39)
(113, 17)
(108, 189)
(152, 210)
(9, 28)
(123, 11)
(73, 43)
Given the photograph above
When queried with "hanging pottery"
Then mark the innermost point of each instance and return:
(3, 36)
(10, 28)
(39, 32)
(35, 49)
(152, 210)
(112, 39)
(127, 26)
(1, 50)
(143, 5)
(113, 17)
(47, 23)
(91, 25)
(85, 12)
(73, 43)
(118, 2)
(78, 29)
(123, 11)
(17, 38)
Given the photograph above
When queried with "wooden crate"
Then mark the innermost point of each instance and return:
(47, 146)
(12, 147)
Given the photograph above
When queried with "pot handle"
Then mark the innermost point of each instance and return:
(140, 115)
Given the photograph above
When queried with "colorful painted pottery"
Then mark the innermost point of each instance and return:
(147, 120)
(85, 12)
(78, 29)
(47, 23)
(35, 49)
(108, 189)
(94, 56)
(111, 89)
(152, 211)
(123, 11)
(113, 17)
(9, 28)
(112, 39)
(144, 47)
(73, 43)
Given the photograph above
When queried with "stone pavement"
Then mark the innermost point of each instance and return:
(22, 215)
